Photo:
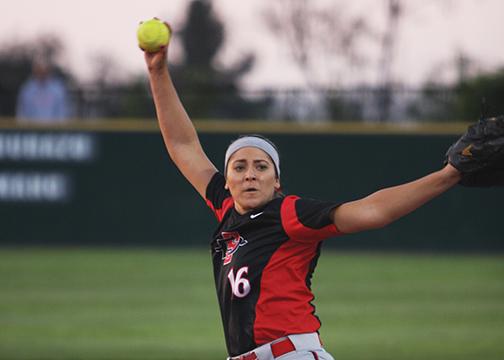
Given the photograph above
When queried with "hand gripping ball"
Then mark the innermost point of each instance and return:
(152, 35)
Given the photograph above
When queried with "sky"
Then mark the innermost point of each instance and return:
(431, 32)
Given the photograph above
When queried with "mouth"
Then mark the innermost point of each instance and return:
(250, 190)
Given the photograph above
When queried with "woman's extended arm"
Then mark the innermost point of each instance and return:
(179, 134)
(385, 206)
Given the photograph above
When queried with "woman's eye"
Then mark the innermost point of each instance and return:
(262, 167)
(239, 168)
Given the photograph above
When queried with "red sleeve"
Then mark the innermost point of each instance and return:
(307, 219)
(217, 197)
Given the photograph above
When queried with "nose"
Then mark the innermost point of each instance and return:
(250, 174)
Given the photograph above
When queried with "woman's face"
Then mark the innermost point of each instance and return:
(251, 179)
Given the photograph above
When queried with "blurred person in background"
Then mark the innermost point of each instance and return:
(43, 97)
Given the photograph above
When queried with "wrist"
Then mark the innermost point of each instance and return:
(157, 70)
(158, 73)
(451, 173)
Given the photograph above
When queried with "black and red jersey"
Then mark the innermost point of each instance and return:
(263, 262)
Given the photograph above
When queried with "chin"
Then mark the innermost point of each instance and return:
(250, 204)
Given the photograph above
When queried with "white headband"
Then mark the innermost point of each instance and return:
(253, 141)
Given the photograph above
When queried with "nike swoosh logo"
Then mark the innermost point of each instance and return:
(253, 216)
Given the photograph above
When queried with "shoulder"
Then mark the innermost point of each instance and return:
(28, 85)
(217, 198)
(306, 218)
(57, 84)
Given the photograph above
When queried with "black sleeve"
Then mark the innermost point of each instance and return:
(315, 214)
(308, 220)
(217, 197)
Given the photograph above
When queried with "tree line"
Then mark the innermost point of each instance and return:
(210, 91)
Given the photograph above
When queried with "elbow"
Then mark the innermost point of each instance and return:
(378, 222)
(364, 223)
(378, 219)
(380, 214)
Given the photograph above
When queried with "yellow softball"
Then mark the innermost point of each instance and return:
(152, 35)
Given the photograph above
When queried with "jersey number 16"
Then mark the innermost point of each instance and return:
(240, 286)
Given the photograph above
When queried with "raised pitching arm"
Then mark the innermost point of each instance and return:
(178, 132)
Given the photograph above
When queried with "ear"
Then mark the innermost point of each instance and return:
(277, 184)
(226, 186)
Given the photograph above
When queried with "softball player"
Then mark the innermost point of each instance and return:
(266, 245)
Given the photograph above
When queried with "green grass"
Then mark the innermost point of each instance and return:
(160, 304)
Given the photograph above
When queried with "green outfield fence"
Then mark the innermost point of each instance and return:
(112, 182)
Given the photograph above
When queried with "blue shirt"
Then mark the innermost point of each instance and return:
(43, 101)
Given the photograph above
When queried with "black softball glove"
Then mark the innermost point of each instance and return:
(479, 153)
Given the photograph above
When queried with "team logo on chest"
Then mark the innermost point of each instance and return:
(228, 244)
